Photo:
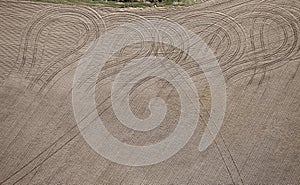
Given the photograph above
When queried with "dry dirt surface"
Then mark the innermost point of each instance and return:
(256, 44)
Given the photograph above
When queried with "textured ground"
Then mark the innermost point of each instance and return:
(258, 48)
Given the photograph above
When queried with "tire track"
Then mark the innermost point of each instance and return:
(89, 18)
(263, 58)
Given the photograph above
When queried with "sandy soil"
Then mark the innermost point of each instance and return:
(258, 49)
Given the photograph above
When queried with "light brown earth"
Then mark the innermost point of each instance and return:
(257, 45)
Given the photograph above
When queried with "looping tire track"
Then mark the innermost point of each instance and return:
(266, 59)
(89, 18)
(210, 25)
(235, 60)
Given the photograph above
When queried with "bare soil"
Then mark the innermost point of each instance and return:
(257, 45)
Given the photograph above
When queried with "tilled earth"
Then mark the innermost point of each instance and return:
(256, 44)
